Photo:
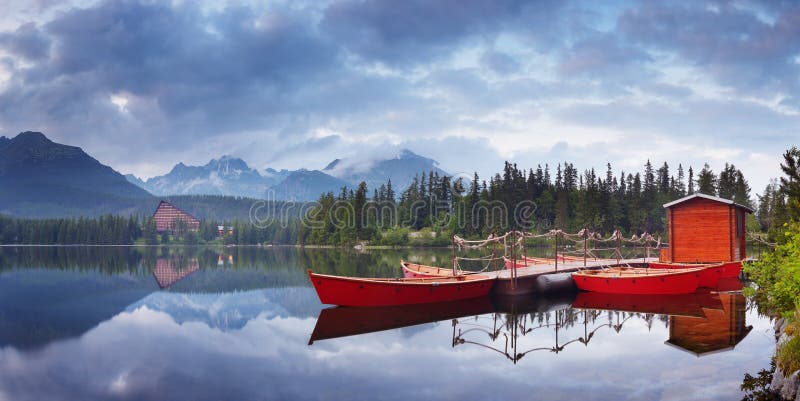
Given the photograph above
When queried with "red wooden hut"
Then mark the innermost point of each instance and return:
(167, 218)
(705, 228)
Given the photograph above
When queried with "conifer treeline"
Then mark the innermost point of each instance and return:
(536, 199)
(104, 230)
(434, 207)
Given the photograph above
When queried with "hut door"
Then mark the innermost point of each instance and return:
(739, 234)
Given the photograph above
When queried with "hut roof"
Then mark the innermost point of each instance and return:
(709, 197)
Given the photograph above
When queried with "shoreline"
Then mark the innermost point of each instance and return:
(354, 247)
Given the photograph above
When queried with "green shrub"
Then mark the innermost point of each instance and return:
(777, 273)
(395, 236)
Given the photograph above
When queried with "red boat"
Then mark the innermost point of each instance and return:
(512, 264)
(354, 291)
(728, 269)
(415, 270)
(630, 280)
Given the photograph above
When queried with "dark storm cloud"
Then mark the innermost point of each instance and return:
(181, 83)
(731, 43)
(416, 31)
(222, 71)
(27, 41)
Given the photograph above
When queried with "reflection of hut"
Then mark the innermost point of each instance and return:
(704, 228)
(169, 218)
(719, 331)
(169, 271)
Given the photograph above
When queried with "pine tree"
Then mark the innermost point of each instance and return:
(790, 185)
(741, 193)
(707, 181)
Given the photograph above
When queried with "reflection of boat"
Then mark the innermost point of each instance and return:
(719, 330)
(353, 291)
(729, 284)
(169, 271)
(663, 304)
(345, 321)
(727, 269)
(633, 280)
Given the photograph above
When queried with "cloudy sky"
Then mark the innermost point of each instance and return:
(288, 84)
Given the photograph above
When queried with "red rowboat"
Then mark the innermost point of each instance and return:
(628, 280)
(729, 269)
(414, 270)
(354, 291)
(515, 264)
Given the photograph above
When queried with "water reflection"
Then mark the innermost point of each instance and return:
(168, 271)
(342, 321)
(719, 330)
(94, 323)
(700, 323)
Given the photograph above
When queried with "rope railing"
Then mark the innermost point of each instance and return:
(569, 248)
(761, 240)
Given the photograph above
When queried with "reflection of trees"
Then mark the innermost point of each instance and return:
(255, 267)
(508, 329)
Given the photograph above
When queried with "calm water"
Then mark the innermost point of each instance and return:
(120, 323)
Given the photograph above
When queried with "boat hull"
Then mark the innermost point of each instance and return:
(728, 269)
(350, 291)
(638, 281)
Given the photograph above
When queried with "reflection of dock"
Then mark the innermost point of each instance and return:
(510, 328)
(718, 331)
(169, 271)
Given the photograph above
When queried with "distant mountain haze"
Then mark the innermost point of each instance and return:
(305, 185)
(233, 177)
(224, 176)
(401, 170)
(41, 178)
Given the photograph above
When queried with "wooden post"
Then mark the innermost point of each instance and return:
(619, 244)
(556, 250)
(524, 251)
(454, 254)
(513, 260)
(585, 239)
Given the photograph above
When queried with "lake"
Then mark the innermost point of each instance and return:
(85, 323)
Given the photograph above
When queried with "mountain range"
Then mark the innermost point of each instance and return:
(42, 178)
(234, 177)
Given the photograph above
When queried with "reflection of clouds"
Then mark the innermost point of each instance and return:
(144, 353)
(232, 310)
